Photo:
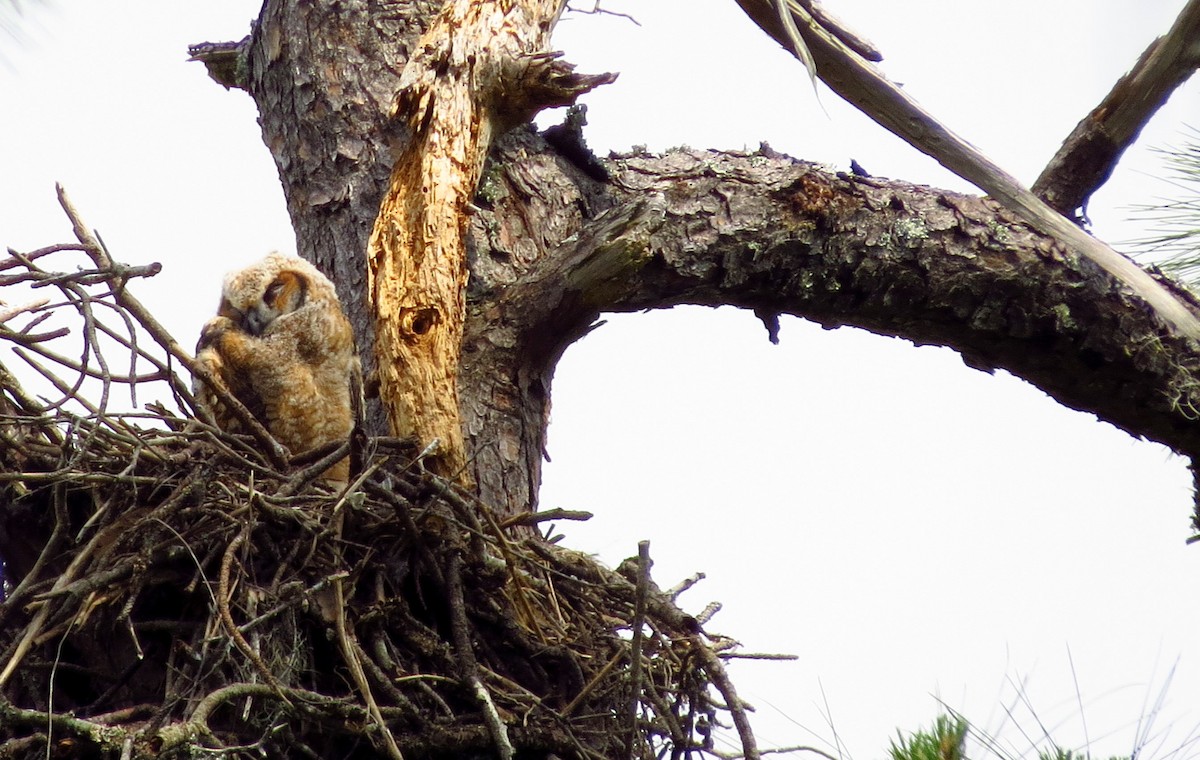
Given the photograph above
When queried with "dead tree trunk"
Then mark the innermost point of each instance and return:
(553, 238)
(351, 131)
(183, 589)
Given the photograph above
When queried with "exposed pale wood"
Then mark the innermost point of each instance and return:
(866, 88)
(323, 77)
(480, 67)
(1091, 152)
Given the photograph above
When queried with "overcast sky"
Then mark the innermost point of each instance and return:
(913, 529)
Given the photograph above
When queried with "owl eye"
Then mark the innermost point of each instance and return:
(273, 290)
(286, 293)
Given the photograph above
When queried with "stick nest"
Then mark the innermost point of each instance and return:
(173, 590)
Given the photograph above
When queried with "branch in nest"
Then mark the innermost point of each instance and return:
(737, 709)
(635, 644)
(467, 664)
(444, 593)
(226, 617)
(544, 515)
(8, 312)
(99, 254)
(104, 735)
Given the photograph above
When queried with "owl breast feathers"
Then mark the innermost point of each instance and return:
(282, 345)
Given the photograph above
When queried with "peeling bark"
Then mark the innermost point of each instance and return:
(553, 244)
(768, 233)
(479, 68)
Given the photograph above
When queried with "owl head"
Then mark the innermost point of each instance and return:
(254, 297)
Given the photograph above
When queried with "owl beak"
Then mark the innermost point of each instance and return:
(255, 323)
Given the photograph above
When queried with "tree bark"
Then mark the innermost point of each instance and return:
(479, 69)
(766, 232)
(1091, 152)
(844, 70)
(554, 243)
(195, 593)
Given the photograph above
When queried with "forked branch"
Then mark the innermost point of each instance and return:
(860, 83)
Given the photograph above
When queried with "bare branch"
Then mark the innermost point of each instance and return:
(879, 98)
(927, 265)
(1091, 152)
(95, 249)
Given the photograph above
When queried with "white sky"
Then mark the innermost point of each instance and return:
(909, 527)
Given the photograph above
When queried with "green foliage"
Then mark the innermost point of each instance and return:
(944, 741)
(1173, 225)
(947, 738)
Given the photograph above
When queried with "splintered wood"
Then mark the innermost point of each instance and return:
(416, 258)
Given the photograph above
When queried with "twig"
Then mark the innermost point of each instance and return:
(467, 663)
(591, 685)
(93, 247)
(350, 650)
(522, 592)
(709, 611)
(9, 312)
(292, 600)
(720, 679)
(321, 460)
(545, 515)
(12, 262)
(197, 724)
(677, 590)
(27, 338)
(104, 735)
(29, 406)
(664, 713)
(84, 586)
(382, 679)
(85, 369)
(123, 715)
(597, 10)
(78, 476)
(223, 594)
(635, 645)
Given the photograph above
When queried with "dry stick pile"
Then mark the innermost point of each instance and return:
(170, 586)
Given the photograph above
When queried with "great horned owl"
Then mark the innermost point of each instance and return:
(282, 345)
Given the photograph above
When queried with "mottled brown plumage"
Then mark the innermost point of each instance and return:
(281, 344)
